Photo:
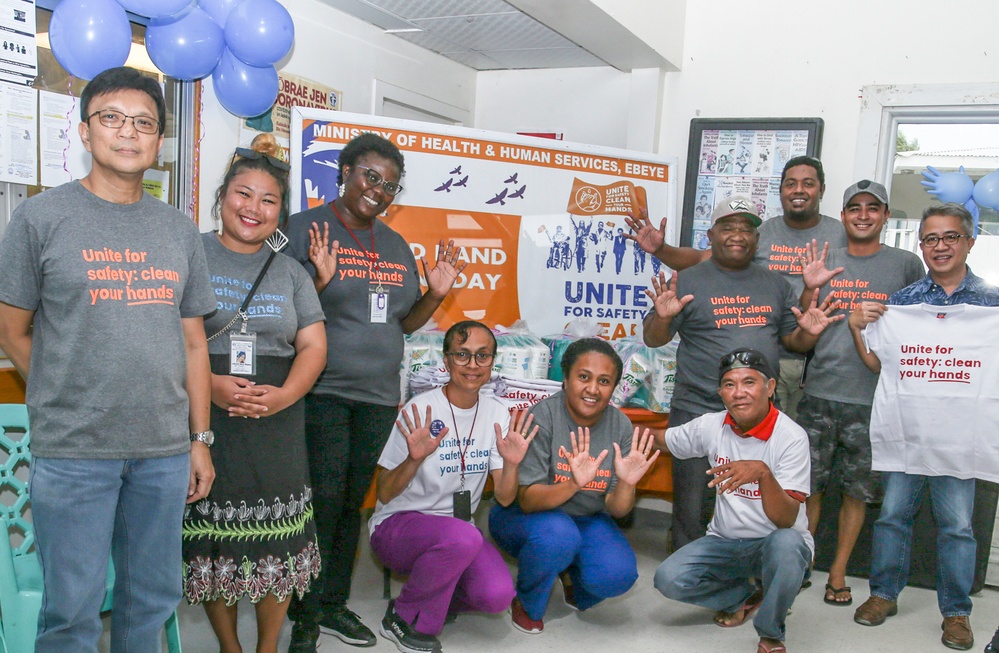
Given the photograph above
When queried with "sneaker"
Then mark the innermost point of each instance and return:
(304, 637)
(993, 646)
(346, 625)
(568, 591)
(874, 611)
(522, 622)
(957, 633)
(395, 629)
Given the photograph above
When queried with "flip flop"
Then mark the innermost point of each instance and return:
(836, 591)
(748, 608)
(770, 646)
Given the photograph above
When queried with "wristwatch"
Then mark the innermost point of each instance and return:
(205, 437)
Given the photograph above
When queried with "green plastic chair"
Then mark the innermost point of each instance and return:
(20, 574)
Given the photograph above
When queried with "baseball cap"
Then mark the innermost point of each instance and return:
(743, 359)
(736, 205)
(866, 186)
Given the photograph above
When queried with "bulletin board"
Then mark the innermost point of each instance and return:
(739, 156)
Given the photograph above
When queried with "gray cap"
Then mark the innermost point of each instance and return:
(736, 205)
(866, 186)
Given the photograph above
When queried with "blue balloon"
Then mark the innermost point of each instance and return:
(89, 36)
(218, 9)
(259, 32)
(154, 8)
(187, 46)
(242, 89)
(987, 191)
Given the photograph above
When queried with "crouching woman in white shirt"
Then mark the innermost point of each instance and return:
(431, 476)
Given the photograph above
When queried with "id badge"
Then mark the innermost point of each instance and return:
(378, 305)
(463, 505)
(243, 353)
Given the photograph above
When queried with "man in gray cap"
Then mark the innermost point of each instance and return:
(782, 242)
(760, 470)
(839, 391)
(720, 304)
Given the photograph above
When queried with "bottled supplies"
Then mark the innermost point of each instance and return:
(520, 353)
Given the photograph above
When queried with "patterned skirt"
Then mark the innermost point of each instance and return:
(254, 534)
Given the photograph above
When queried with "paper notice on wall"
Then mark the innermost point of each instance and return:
(157, 183)
(18, 134)
(19, 56)
(63, 156)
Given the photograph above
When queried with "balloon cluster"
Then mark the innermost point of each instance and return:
(237, 42)
(959, 188)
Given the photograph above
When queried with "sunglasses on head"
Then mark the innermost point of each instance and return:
(247, 153)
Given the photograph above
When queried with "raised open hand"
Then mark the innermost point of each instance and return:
(645, 235)
(419, 440)
(813, 266)
(513, 447)
(322, 256)
(631, 468)
(664, 299)
(815, 320)
(446, 270)
(581, 464)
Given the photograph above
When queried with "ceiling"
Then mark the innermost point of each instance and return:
(496, 35)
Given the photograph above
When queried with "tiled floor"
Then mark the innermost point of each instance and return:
(641, 620)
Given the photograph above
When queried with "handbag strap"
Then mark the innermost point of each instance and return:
(241, 313)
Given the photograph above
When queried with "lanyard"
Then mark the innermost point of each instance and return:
(372, 254)
(462, 452)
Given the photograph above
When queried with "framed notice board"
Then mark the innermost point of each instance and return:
(740, 156)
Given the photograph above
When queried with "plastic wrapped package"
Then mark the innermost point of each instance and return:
(519, 394)
(559, 342)
(520, 353)
(423, 348)
(648, 377)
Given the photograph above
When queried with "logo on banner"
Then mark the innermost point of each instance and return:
(618, 198)
(588, 199)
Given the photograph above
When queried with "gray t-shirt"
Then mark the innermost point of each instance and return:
(744, 308)
(836, 372)
(109, 284)
(781, 247)
(362, 361)
(543, 465)
(285, 300)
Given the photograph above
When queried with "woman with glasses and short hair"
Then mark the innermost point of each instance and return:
(369, 288)
(254, 535)
(431, 477)
(578, 476)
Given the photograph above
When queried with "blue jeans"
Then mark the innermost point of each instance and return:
(714, 573)
(953, 500)
(600, 561)
(86, 510)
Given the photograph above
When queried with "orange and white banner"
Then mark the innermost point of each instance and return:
(540, 222)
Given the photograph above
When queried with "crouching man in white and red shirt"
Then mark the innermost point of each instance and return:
(761, 471)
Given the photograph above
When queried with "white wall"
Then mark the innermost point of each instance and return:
(345, 53)
(773, 58)
(587, 105)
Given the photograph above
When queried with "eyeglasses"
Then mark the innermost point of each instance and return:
(465, 357)
(744, 357)
(949, 238)
(247, 153)
(375, 179)
(116, 120)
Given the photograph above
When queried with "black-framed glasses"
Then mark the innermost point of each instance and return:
(116, 120)
(465, 357)
(375, 179)
(949, 238)
(247, 153)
